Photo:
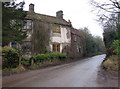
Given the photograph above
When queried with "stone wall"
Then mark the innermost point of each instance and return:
(77, 48)
(40, 37)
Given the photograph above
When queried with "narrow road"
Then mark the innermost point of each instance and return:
(83, 73)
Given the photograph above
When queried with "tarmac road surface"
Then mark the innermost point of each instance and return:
(83, 73)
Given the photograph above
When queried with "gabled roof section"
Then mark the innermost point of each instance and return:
(47, 18)
(77, 32)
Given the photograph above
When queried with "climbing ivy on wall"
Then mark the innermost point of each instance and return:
(40, 37)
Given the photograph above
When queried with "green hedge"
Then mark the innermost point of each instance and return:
(25, 62)
(10, 58)
(50, 56)
(116, 47)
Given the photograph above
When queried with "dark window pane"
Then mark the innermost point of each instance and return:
(24, 25)
(24, 46)
(58, 47)
(28, 46)
(54, 47)
(28, 25)
(15, 45)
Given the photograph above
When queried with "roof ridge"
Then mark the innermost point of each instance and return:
(48, 18)
(52, 16)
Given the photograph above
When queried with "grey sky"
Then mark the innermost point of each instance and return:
(77, 11)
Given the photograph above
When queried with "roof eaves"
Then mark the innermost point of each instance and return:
(47, 18)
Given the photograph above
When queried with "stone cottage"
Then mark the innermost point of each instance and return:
(77, 43)
(51, 34)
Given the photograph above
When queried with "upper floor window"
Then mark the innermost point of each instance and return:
(27, 25)
(56, 29)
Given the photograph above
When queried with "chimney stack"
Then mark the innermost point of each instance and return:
(59, 14)
(31, 7)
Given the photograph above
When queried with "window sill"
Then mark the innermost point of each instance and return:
(56, 34)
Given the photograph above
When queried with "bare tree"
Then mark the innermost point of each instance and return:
(107, 11)
(112, 6)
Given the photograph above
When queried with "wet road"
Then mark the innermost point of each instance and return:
(83, 73)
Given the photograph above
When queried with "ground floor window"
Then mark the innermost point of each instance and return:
(26, 46)
(79, 49)
(14, 45)
(56, 47)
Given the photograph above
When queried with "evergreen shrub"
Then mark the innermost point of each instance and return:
(10, 57)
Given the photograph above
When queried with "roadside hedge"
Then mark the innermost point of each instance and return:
(10, 57)
(50, 56)
(25, 62)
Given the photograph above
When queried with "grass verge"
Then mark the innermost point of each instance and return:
(7, 71)
(48, 63)
(39, 65)
(112, 63)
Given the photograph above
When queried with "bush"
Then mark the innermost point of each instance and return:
(57, 55)
(25, 62)
(116, 46)
(10, 58)
(40, 57)
(60, 55)
(50, 56)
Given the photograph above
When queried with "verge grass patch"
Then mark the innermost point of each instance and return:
(8, 71)
(111, 63)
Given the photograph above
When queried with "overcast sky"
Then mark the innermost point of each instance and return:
(77, 11)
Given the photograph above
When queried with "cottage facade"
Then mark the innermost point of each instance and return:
(78, 43)
(50, 34)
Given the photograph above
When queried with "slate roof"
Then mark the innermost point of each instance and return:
(77, 32)
(47, 18)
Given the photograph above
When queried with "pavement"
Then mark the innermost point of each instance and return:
(83, 73)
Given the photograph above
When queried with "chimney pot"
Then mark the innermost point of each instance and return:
(59, 14)
(31, 7)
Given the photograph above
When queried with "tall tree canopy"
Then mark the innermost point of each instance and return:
(94, 44)
(12, 17)
(110, 19)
